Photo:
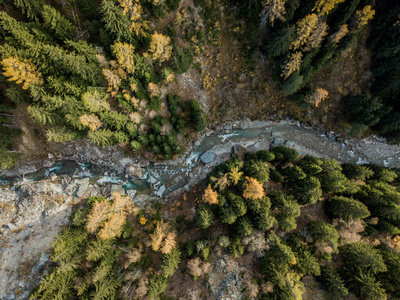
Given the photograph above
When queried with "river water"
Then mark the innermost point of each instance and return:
(165, 177)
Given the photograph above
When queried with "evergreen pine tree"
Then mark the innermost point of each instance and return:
(60, 25)
(204, 216)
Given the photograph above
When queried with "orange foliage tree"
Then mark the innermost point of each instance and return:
(91, 121)
(210, 196)
(253, 189)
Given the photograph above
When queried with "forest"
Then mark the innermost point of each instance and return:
(254, 206)
(109, 70)
(110, 94)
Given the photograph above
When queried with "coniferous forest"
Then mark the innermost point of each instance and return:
(148, 77)
(255, 207)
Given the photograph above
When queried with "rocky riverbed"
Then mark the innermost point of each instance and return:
(36, 197)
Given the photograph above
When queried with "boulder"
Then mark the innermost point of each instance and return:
(83, 186)
(135, 170)
(208, 157)
(131, 193)
(161, 191)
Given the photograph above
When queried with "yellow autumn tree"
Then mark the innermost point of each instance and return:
(134, 10)
(153, 89)
(293, 64)
(110, 215)
(210, 196)
(91, 121)
(253, 189)
(132, 256)
(113, 227)
(272, 10)
(160, 47)
(97, 215)
(317, 97)
(169, 243)
(341, 33)
(158, 2)
(324, 7)
(221, 183)
(317, 36)
(364, 15)
(235, 175)
(305, 27)
(21, 71)
(124, 53)
(113, 80)
(158, 235)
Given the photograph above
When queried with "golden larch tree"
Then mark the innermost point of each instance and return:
(113, 80)
(21, 71)
(132, 256)
(272, 10)
(97, 215)
(293, 64)
(253, 189)
(364, 15)
(324, 7)
(160, 47)
(153, 89)
(91, 121)
(210, 196)
(341, 33)
(305, 27)
(221, 183)
(169, 243)
(317, 97)
(112, 228)
(158, 235)
(134, 10)
(124, 53)
(235, 175)
(315, 39)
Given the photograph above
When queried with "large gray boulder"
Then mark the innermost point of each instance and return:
(208, 157)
